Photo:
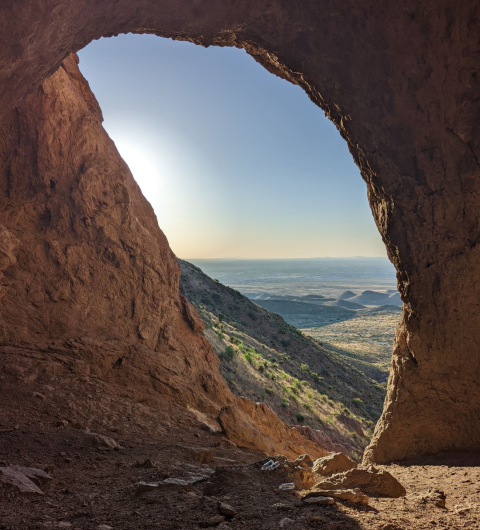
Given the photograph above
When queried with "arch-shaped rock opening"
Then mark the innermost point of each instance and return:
(410, 117)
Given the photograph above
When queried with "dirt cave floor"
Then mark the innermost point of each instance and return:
(94, 485)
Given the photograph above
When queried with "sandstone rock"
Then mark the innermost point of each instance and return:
(27, 480)
(226, 509)
(304, 461)
(374, 483)
(323, 501)
(302, 478)
(333, 463)
(102, 440)
(351, 495)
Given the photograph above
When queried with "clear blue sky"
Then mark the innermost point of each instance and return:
(235, 161)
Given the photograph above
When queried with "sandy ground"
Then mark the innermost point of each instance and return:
(93, 485)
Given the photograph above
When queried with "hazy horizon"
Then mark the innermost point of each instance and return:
(235, 161)
(248, 258)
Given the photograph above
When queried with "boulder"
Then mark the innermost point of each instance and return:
(102, 440)
(304, 461)
(333, 463)
(301, 477)
(26, 479)
(372, 481)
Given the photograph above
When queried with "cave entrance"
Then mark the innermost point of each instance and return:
(238, 163)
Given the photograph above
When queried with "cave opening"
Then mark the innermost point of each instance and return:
(408, 113)
(239, 164)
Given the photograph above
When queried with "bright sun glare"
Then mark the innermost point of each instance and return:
(149, 176)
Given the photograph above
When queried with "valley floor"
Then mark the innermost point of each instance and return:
(366, 341)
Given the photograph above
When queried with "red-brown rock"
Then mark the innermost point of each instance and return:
(401, 82)
(88, 276)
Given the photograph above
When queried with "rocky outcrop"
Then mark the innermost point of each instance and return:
(255, 426)
(89, 279)
(374, 482)
(333, 463)
(410, 115)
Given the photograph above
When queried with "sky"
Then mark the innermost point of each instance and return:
(236, 162)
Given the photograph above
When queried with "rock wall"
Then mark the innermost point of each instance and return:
(401, 82)
(88, 277)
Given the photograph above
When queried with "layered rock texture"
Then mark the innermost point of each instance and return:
(401, 82)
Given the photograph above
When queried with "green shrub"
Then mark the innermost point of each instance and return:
(357, 402)
(234, 325)
(229, 352)
(285, 403)
(248, 357)
(269, 390)
(221, 317)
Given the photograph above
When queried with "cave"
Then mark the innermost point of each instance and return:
(88, 276)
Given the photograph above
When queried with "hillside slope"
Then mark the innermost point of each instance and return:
(266, 359)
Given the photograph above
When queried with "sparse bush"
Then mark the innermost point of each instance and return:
(220, 335)
(300, 417)
(261, 369)
(248, 357)
(229, 352)
(357, 402)
(285, 403)
(221, 317)
(234, 325)
(269, 390)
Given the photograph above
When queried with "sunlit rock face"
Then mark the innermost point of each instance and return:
(399, 79)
